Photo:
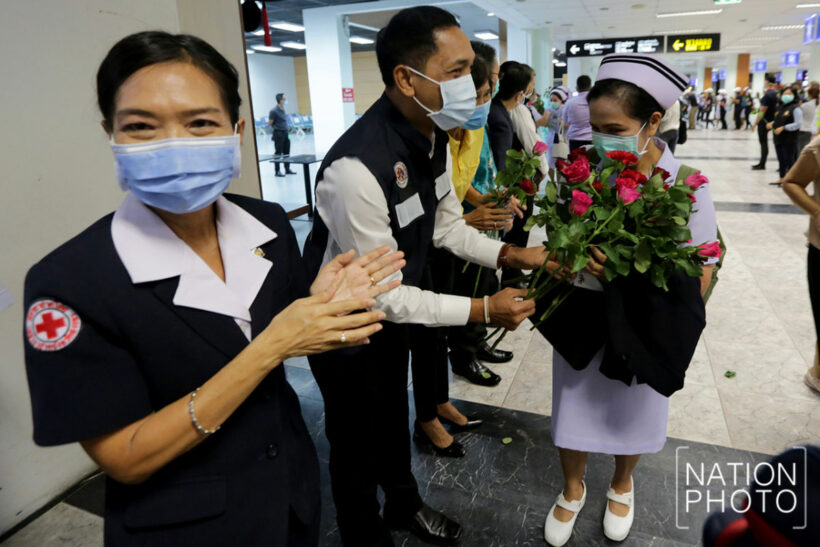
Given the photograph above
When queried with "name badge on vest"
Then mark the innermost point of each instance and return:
(409, 210)
(442, 185)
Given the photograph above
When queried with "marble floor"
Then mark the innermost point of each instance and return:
(759, 326)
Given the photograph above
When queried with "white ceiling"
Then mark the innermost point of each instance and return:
(739, 24)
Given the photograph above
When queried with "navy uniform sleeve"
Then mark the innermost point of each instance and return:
(500, 134)
(83, 378)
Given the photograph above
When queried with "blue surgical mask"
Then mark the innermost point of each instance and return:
(604, 143)
(787, 99)
(285, 102)
(555, 105)
(178, 175)
(457, 101)
(479, 117)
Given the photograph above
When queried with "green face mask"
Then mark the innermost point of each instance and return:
(787, 99)
(497, 85)
(604, 143)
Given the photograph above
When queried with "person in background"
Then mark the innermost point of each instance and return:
(468, 349)
(708, 107)
(737, 108)
(804, 172)
(278, 120)
(576, 115)
(669, 126)
(428, 346)
(558, 97)
(748, 105)
(809, 113)
(765, 115)
(692, 100)
(525, 128)
(788, 119)
(722, 105)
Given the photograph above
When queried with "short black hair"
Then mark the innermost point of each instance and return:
(771, 79)
(637, 103)
(279, 97)
(485, 51)
(409, 39)
(514, 78)
(480, 72)
(583, 83)
(143, 49)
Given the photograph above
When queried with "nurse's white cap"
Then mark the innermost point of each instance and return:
(654, 76)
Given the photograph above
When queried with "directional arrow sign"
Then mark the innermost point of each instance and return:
(602, 46)
(678, 44)
(692, 43)
(574, 49)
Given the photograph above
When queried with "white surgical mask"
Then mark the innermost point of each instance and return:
(458, 101)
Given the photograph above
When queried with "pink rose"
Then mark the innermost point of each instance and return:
(696, 181)
(577, 171)
(540, 147)
(709, 250)
(627, 194)
(625, 182)
(580, 203)
(692, 198)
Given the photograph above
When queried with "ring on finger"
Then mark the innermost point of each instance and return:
(372, 281)
(343, 337)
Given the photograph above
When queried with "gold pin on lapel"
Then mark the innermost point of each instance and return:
(259, 252)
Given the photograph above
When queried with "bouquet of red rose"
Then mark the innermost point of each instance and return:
(639, 222)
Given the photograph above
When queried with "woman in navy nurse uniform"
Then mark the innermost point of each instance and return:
(155, 337)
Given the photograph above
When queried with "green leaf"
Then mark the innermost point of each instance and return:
(551, 192)
(530, 223)
(680, 221)
(730, 374)
(643, 257)
(506, 440)
(579, 262)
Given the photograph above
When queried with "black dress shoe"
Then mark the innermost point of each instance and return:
(280, 174)
(430, 526)
(475, 372)
(758, 167)
(487, 353)
(454, 450)
(472, 423)
(289, 172)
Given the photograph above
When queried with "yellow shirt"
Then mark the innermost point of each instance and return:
(465, 154)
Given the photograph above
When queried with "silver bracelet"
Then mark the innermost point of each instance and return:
(486, 309)
(193, 416)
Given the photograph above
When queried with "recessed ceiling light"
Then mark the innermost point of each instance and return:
(250, 51)
(360, 40)
(685, 31)
(553, 49)
(764, 38)
(284, 25)
(638, 6)
(783, 27)
(683, 13)
(267, 49)
(490, 14)
(293, 45)
(486, 35)
(815, 5)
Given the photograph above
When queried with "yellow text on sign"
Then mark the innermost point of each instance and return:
(699, 44)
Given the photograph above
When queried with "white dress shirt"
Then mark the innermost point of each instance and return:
(352, 205)
(525, 130)
(151, 251)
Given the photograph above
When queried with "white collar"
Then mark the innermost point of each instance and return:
(150, 251)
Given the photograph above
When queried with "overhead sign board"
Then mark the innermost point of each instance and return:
(810, 29)
(605, 46)
(759, 66)
(715, 76)
(790, 59)
(692, 43)
(722, 75)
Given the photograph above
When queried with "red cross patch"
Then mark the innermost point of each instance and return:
(51, 326)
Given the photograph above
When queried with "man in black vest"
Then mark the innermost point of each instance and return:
(385, 181)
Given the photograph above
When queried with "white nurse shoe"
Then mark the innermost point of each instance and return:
(556, 532)
(617, 528)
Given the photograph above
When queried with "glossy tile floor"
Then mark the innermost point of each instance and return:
(759, 326)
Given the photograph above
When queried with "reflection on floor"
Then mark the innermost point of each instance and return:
(760, 327)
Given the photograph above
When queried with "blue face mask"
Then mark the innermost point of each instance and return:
(479, 117)
(497, 85)
(555, 105)
(285, 102)
(604, 143)
(178, 175)
(787, 98)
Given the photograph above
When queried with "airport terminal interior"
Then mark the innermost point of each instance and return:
(752, 387)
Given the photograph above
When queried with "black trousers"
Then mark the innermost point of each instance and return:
(464, 342)
(738, 115)
(428, 346)
(803, 138)
(281, 144)
(787, 152)
(814, 285)
(763, 137)
(723, 118)
(366, 423)
(573, 144)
